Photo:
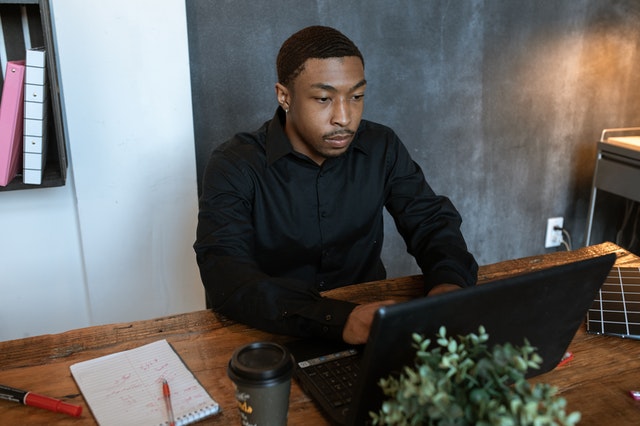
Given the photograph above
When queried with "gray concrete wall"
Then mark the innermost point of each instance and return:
(500, 102)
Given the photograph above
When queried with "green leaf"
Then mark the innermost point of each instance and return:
(463, 381)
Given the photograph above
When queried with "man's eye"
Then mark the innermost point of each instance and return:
(358, 97)
(322, 100)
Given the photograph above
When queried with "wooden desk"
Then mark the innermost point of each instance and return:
(596, 382)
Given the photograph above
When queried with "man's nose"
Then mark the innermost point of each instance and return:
(341, 113)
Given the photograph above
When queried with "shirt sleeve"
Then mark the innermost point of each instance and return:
(429, 223)
(235, 285)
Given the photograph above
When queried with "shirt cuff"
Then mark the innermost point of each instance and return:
(443, 276)
(335, 313)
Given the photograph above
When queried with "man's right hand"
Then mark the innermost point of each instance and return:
(356, 329)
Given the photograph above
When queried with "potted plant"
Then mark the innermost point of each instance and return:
(464, 382)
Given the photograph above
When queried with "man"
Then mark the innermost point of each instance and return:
(295, 207)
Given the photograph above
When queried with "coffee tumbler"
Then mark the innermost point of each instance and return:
(261, 372)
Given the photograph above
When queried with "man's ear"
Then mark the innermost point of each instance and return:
(282, 96)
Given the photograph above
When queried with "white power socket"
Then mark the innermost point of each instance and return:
(554, 236)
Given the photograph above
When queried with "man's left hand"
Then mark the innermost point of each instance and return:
(443, 288)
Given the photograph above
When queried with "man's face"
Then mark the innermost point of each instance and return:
(325, 104)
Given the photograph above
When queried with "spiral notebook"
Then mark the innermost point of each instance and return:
(125, 388)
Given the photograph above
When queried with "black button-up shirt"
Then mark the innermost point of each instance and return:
(275, 229)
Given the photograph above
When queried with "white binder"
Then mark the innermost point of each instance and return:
(35, 116)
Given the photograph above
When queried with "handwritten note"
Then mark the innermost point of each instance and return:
(125, 388)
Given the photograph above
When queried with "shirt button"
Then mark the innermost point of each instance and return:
(328, 317)
(325, 329)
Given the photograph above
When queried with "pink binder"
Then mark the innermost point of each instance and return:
(11, 114)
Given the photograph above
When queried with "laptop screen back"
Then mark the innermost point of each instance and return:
(546, 307)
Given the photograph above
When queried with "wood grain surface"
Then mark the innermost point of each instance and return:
(596, 382)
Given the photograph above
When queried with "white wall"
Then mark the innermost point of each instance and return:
(114, 244)
(41, 279)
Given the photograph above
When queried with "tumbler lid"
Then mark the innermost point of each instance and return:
(261, 362)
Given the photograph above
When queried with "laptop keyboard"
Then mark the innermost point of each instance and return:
(334, 375)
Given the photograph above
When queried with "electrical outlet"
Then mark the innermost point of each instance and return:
(554, 236)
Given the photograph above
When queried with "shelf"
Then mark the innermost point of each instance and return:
(27, 23)
(19, 2)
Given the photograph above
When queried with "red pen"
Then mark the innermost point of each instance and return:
(40, 401)
(167, 400)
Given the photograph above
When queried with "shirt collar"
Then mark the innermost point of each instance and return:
(278, 144)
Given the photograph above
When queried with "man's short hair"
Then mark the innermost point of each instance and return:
(317, 42)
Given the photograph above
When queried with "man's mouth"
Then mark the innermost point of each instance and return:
(339, 139)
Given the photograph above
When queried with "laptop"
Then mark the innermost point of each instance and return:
(546, 307)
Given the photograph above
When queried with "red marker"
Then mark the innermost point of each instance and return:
(568, 356)
(40, 401)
